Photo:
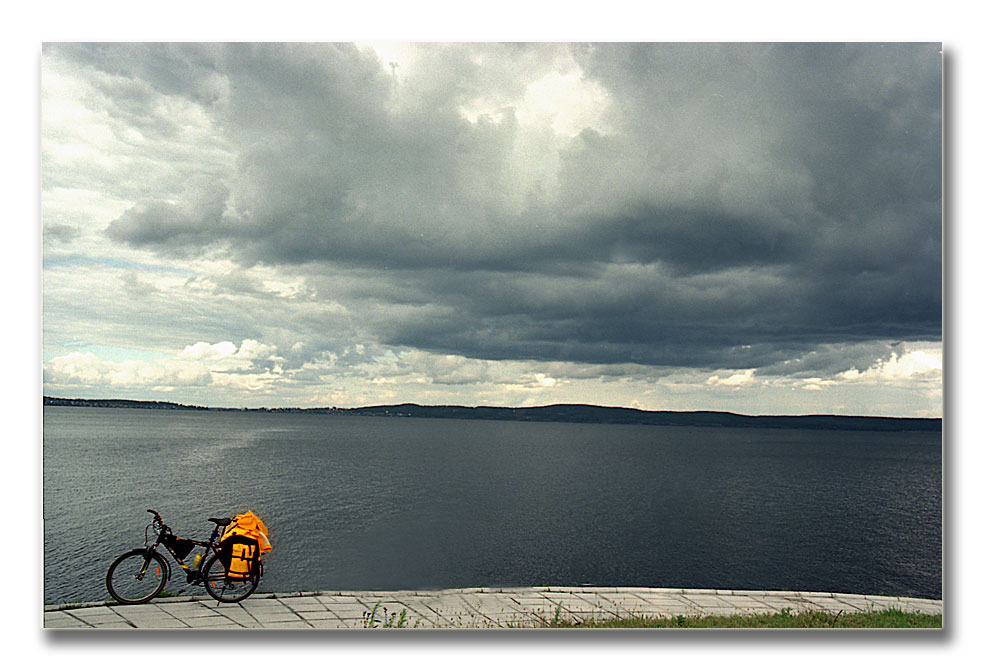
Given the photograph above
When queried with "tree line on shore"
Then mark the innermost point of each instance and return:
(576, 413)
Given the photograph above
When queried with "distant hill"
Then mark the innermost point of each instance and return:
(588, 414)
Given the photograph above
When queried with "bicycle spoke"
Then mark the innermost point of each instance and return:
(130, 581)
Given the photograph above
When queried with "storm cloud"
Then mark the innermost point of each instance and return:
(705, 206)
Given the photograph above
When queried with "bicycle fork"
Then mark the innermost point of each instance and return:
(142, 573)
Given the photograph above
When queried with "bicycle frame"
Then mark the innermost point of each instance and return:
(193, 574)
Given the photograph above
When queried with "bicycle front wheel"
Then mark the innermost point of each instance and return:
(226, 590)
(137, 576)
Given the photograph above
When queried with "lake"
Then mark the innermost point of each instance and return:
(398, 503)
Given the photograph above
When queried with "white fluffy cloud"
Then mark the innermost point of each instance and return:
(203, 350)
(739, 379)
(248, 353)
(911, 364)
(251, 366)
(85, 370)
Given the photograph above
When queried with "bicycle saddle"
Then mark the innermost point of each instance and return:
(221, 521)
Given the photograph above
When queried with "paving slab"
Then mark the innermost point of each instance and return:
(741, 603)
(850, 606)
(100, 619)
(294, 624)
(707, 600)
(63, 620)
(452, 606)
(350, 623)
(632, 606)
(333, 623)
(264, 604)
(241, 617)
(828, 604)
(210, 622)
(171, 623)
(487, 604)
(306, 607)
(94, 611)
(269, 617)
(465, 608)
(187, 610)
(151, 619)
(320, 614)
(332, 601)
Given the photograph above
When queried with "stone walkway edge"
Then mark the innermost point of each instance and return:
(467, 608)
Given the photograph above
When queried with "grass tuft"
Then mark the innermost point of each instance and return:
(882, 619)
(372, 620)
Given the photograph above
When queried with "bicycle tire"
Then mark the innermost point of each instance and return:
(221, 589)
(125, 579)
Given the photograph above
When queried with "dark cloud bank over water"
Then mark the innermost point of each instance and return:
(728, 206)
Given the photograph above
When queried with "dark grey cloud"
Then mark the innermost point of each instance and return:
(135, 71)
(60, 233)
(191, 222)
(829, 360)
(736, 205)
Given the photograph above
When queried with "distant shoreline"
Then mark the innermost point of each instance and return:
(572, 413)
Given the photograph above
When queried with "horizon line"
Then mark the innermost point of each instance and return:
(453, 405)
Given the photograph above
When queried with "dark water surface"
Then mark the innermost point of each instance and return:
(377, 503)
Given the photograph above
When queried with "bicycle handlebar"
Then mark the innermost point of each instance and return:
(158, 522)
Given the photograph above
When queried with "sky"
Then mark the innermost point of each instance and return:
(747, 227)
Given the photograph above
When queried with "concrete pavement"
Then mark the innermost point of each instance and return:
(475, 608)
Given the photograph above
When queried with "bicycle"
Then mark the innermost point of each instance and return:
(139, 575)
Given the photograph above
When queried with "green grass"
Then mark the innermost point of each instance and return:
(372, 619)
(883, 619)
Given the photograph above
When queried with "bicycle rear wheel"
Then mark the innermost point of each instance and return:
(137, 576)
(225, 590)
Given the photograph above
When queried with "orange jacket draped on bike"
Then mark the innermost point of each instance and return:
(249, 525)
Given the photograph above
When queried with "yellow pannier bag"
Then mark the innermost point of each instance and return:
(239, 555)
(242, 543)
(249, 525)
